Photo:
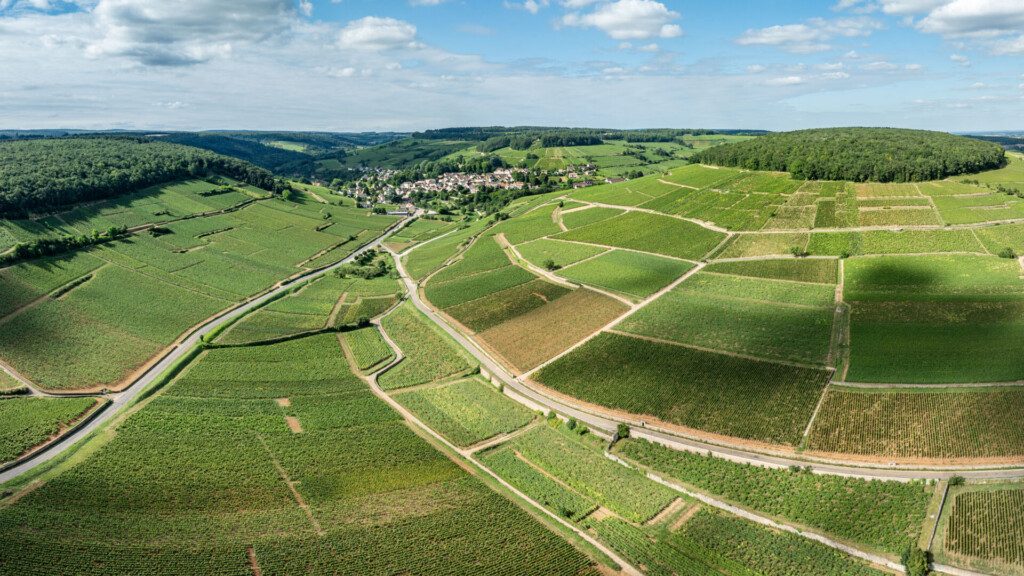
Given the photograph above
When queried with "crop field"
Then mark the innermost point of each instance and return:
(702, 390)
(424, 260)
(882, 190)
(589, 216)
(561, 253)
(499, 307)
(771, 319)
(890, 242)
(776, 553)
(429, 353)
(583, 468)
(354, 492)
(752, 245)
(886, 516)
(530, 226)
(369, 350)
(421, 230)
(27, 422)
(649, 233)
(530, 339)
(814, 270)
(898, 217)
(731, 209)
(697, 176)
(629, 193)
(915, 424)
(792, 217)
(9, 385)
(451, 292)
(631, 273)
(548, 491)
(483, 256)
(953, 318)
(466, 412)
(985, 527)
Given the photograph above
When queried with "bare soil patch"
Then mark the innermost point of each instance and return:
(283, 402)
(293, 424)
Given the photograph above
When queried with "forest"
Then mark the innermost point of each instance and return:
(42, 175)
(860, 154)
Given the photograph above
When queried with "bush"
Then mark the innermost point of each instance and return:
(916, 562)
(571, 424)
(957, 481)
(1007, 253)
(623, 431)
(550, 265)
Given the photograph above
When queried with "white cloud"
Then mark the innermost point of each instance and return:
(975, 18)
(1011, 46)
(306, 7)
(812, 36)
(756, 69)
(629, 20)
(879, 66)
(375, 34)
(835, 75)
(785, 81)
(960, 59)
(910, 6)
(913, 67)
(531, 6)
(187, 31)
(426, 2)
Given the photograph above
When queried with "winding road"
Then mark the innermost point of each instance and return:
(124, 398)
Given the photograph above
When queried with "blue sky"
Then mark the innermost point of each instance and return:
(352, 65)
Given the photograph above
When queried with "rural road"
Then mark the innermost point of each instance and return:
(125, 397)
(640, 429)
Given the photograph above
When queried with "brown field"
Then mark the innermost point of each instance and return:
(964, 423)
(528, 340)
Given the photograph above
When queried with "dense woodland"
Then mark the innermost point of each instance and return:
(42, 175)
(860, 154)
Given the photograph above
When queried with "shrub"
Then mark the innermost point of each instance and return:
(622, 431)
(957, 481)
(915, 562)
(1007, 253)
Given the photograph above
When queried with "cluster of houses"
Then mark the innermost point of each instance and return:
(504, 178)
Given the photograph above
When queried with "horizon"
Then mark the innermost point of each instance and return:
(398, 66)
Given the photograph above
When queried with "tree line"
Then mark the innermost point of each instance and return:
(44, 175)
(860, 154)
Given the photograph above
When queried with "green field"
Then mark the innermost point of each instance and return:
(123, 302)
(314, 475)
(886, 516)
(369, 350)
(466, 412)
(953, 319)
(562, 254)
(27, 422)
(430, 355)
(702, 390)
(983, 528)
(916, 424)
(631, 273)
(773, 319)
(649, 233)
(504, 305)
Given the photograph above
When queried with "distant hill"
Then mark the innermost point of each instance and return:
(1010, 142)
(45, 174)
(860, 154)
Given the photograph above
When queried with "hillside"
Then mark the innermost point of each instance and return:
(41, 175)
(860, 154)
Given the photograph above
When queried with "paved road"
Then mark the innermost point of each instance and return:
(124, 398)
(606, 425)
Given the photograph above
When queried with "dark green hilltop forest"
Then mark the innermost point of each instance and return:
(860, 154)
(41, 175)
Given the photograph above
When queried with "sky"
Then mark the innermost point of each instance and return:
(403, 65)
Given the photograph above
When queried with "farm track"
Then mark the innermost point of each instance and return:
(604, 421)
(128, 395)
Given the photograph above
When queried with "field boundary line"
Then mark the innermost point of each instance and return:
(938, 514)
(701, 223)
(500, 439)
(610, 247)
(810, 423)
(766, 521)
(291, 486)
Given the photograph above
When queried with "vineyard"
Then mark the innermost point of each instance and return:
(466, 411)
(430, 354)
(634, 274)
(883, 515)
(355, 484)
(703, 390)
(29, 422)
(986, 524)
(368, 348)
(649, 233)
(947, 424)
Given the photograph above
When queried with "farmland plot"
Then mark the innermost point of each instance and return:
(561, 253)
(368, 348)
(28, 422)
(195, 484)
(914, 424)
(631, 273)
(985, 528)
(467, 411)
(430, 354)
(886, 516)
(771, 319)
(701, 390)
(816, 270)
(589, 216)
(649, 233)
(499, 307)
(751, 245)
(953, 319)
(528, 340)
